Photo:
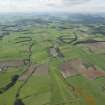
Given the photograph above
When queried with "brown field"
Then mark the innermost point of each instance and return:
(4, 64)
(96, 47)
(75, 67)
(41, 70)
(34, 70)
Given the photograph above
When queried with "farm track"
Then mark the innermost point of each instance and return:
(26, 75)
(31, 68)
(17, 63)
(69, 87)
(87, 98)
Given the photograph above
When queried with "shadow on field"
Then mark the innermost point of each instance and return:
(9, 85)
(18, 102)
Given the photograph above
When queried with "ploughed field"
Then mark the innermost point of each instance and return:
(51, 65)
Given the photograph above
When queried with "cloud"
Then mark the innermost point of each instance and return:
(52, 5)
(75, 1)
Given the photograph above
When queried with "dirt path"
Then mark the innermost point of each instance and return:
(25, 76)
(31, 69)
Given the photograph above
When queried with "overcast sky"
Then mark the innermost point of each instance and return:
(52, 5)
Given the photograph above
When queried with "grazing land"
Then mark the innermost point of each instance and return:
(52, 59)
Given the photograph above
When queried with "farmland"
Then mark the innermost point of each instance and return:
(52, 60)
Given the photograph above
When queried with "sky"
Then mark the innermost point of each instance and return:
(52, 5)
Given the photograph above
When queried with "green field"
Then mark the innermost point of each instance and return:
(41, 45)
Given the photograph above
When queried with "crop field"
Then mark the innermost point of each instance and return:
(52, 62)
